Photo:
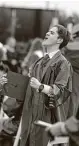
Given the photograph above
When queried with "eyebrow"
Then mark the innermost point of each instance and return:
(51, 31)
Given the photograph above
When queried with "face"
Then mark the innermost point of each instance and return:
(51, 37)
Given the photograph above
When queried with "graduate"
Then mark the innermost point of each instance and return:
(48, 91)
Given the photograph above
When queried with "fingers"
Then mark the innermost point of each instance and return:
(34, 83)
(4, 75)
(7, 120)
(32, 80)
(3, 80)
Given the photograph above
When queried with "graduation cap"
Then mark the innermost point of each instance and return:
(16, 86)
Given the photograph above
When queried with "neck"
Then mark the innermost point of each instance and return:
(51, 49)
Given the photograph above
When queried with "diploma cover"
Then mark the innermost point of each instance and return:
(16, 86)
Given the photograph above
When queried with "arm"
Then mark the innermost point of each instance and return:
(62, 87)
(69, 127)
(57, 129)
(72, 125)
(62, 80)
(8, 126)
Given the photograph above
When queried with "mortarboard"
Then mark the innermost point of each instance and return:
(16, 86)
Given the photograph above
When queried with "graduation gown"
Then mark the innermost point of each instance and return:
(72, 54)
(56, 71)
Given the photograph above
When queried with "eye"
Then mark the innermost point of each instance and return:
(51, 32)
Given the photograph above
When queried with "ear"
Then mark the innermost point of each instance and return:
(59, 41)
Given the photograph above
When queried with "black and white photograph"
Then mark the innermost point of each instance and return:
(39, 73)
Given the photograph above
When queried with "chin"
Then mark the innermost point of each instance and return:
(45, 43)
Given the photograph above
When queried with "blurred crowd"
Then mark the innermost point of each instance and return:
(16, 57)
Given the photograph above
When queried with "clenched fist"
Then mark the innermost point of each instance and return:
(34, 83)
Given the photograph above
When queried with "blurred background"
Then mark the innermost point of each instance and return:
(23, 24)
(25, 19)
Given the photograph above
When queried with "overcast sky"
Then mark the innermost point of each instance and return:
(68, 5)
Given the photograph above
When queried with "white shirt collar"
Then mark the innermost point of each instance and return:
(39, 53)
(52, 53)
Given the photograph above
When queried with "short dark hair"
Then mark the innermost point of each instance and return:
(64, 34)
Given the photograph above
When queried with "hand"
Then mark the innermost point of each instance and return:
(34, 83)
(4, 121)
(57, 129)
(3, 80)
(1, 123)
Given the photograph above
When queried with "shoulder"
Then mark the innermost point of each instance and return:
(64, 64)
(64, 60)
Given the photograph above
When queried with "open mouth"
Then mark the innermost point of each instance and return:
(45, 38)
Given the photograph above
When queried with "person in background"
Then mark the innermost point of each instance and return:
(71, 52)
(48, 90)
(3, 55)
(10, 111)
(68, 128)
(11, 55)
(3, 81)
(35, 52)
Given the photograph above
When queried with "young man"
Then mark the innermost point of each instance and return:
(49, 88)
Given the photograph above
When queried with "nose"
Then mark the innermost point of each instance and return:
(47, 33)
